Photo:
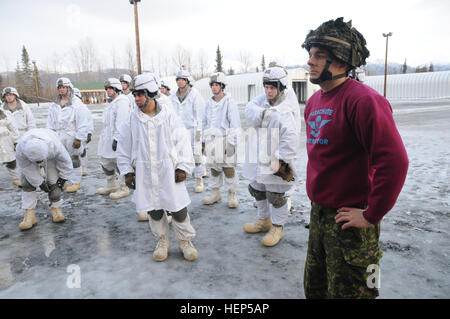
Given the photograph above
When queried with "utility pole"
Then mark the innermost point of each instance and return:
(386, 35)
(36, 81)
(136, 26)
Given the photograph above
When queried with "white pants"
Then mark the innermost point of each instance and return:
(231, 184)
(29, 199)
(14, 173)
(199, 170)
(265, 209)
(84, 160)
(183, 230)
(110, 164)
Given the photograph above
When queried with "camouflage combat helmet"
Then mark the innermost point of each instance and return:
(342, 40)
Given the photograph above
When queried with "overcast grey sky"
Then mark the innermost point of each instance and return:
(421, 29)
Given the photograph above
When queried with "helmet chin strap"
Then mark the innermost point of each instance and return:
(326, 75)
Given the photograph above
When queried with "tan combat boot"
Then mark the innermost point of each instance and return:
(57, 215)
(199, 187)
(29, 220)
(162, 249)
(188, 250)
(73, 188)
(214, 197)
(83, 171)
(142, 217)
(273, 236)
(232, 200)
(124, 191)
(262, 224)
(111, 186)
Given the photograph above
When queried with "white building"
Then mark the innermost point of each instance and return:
(244, 87)
(412, 85)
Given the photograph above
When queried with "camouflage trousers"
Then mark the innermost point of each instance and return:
(337, 260)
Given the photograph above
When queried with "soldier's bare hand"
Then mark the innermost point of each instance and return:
(352, 216)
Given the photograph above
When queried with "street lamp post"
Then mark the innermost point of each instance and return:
(386, 35)
(136, 26)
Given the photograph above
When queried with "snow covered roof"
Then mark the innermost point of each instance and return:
(412, 85)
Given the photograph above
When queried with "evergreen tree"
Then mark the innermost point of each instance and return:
(19, 82)
(24, 75)
(230, 71)
(404, 67)
(219, 65)
(263, 63)
(431, 68)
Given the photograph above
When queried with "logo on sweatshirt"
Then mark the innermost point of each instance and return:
(316, 125)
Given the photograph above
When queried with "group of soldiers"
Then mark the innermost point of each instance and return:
(152, 141)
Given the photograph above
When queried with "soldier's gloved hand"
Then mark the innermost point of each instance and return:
(114, 145)
(229, 150)
(180, 175)
(76, 144)
(60, 182)
(89, 137)
(285, 172)
(44, 187)
(130, 180)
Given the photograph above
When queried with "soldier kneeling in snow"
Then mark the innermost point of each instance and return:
(41, 148)
(154, 154)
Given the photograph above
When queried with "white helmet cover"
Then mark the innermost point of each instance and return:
(10, 89)
(183, 74)
(114, 83)
(64, 82)
(146, 81)
(276, 74)
(218, 77)
(35, 150)
(163, 84)
(125, 78)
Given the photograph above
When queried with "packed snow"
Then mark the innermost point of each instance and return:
(102, 251)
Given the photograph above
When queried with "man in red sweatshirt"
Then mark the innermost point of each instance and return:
(357, 166)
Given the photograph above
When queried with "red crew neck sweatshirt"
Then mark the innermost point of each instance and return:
(356, 156)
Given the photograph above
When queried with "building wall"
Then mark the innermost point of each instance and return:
(244, 87)
(412, 85)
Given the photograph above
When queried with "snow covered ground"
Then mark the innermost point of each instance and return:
(103, 242)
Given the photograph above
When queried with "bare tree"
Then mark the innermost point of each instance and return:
(56, 63)
(115, 60)
(182, 57)
(246, 59)
(203, 63)
(84, 57)
(130, 54)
